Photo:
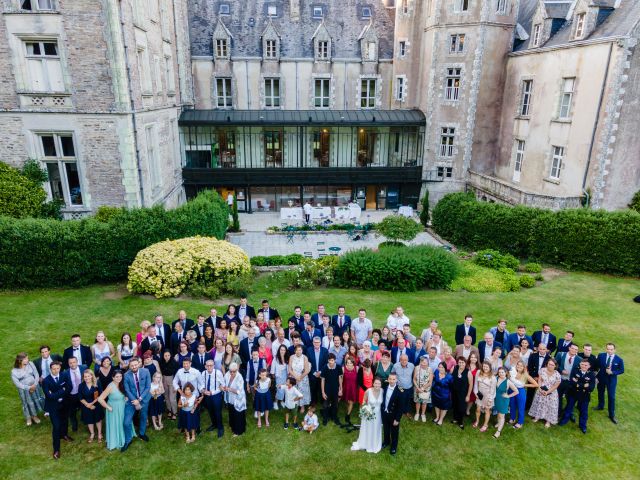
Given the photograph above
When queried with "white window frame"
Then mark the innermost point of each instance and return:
(501, 8)
(157, 71)
(270, 99)
(46, 63)
(452, 84)
(40, 6)
(165, 14)
(139, 13)
(461, 6)
(222, 48)
(537, 30)
(224, 9)
(566, 98)
(224, 92)
(368, 93)
(323, 100)
(520, 146)
(153, 160)
(271, 49)
(322, 50)
(318, 12)
(526, 95)
(402, 48)
(405, 7)
(144, 70)
(557, 159)
(372, 51)
(170, 75)
(444, 172)
(447, 141)
(456, 42)
(61, 162)
(272, 10)
(366, 12)
(401, 88)
(580, 21)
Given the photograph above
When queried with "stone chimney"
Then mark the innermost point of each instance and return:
(294, 9)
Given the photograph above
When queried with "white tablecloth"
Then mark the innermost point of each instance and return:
(343, 213)
(405, 211)
(355, 211)
(320, 212)
(291, 213)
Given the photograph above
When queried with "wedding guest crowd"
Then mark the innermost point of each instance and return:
(190, 371)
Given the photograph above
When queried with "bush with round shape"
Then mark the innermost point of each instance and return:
(20, 197)
(397, 228)
(496, 260)
(527, 281)
(533, 267)
(167, 268)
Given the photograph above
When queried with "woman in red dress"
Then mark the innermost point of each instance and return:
(349, 386)
(472, 365)
(365, 379)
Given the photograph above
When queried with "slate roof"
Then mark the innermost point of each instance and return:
(248, 18)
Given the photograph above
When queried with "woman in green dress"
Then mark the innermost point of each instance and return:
(503, 397)
(383, 367)
(114, 393)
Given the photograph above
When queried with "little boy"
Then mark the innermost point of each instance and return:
(291, 398)
(310, 422)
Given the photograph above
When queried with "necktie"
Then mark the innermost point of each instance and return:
(340, 323)
(609, 361)
(135, 375)
(160, 332)
(570, 360)
(180, 337)
(57, 379)
(202, 359)
(46, 368)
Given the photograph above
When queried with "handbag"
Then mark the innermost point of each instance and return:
(480, 395)
(423, 395)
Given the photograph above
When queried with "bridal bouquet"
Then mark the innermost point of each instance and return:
(367, 412)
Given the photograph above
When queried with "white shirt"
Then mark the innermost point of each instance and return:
(311, 420)
(307, 209)
(390, 390)
(76, 379)
(276, 345)
(45, 366)
(77, 354)
(290, 394)
(183, 377)
(216, 380)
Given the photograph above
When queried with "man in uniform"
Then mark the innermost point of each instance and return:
(581, 385)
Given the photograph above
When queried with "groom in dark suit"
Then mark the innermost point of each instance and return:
(391, 413)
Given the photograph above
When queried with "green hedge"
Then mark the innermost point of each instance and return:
(580, 239)
(275, 260)
(399, 269)
(45, 253)
(20, 197)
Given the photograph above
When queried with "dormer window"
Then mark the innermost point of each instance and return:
(537, 28)
(366, 12)
(580, 18)
(323, 50)
(222, 48)
(272, 11)
(224, 9)
(271, 49)
(317, 12)
(37, 5)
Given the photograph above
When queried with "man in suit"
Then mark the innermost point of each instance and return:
(73, 377)
(199, 327)
(582, 384)
(391, 410)
(309, 333)
(149, 341)
(137, 383)
(55, 390)
(317, 317)
(268, 312)
(465, 329)
(213, 320)
(486, 346)
(247, 345)
(610, 366)
(244, 309)
(200, 358)
(325, 324)
(293, 328)
(44, 361)
(163, 330)
(544, 336)
(176, 338)
(566, 342)
(514, 338)
(568, 365)
(318, 357)
(466, 349)
(537, 361)
(81, 352)
(187, 323)
(402, 349)
(341, 322)
(586, 353)
(297, 317)
(211, 382)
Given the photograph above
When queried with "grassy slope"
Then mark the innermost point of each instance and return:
(598, 308)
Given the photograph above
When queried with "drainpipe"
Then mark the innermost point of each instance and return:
(595, 125)
(133, 109)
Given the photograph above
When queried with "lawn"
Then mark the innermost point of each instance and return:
(598, 308)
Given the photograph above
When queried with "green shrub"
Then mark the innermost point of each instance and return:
(533, 267)
(527, 281)
(399, 269)
(477, 279)
(20, 197)
(539, 277)
(424, 214)
(106, 213)
(635, 202)
(580, 239)
(496, 260)
(240, 285)
(34, 172)
(391, 244)
(44, 253)
(309, 274)
(397, 228)
(235, 220)
(276, 260)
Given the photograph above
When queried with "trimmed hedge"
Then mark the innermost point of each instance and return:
(276, 260)
(399, 269)
(47, 253)
(580, 239)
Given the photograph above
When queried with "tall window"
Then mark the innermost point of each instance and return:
(271, 49)
(37, 5)
(502, 7)
(44, 65)
(452, 84)
(405, 6)
(517, 168)
(368, 93)
(59, 155)
(223, 93)
(556, 162)
(323, 50)
(273, 147)
(321, 92)
(580, 25)
(152, 156)
(271, 92)
(402, 49)
(169, 73)
(456, 43)
(447, 137)
(157, 73)
(536, 34)
(144, 72)
(567, 97)
(462, 5)
(222, 48)
(372, 50)
(525, 102)
(400, 89)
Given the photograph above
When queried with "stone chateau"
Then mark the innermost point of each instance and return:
(144, 102)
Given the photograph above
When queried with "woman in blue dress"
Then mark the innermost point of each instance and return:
(91, 413)
(113, 400)
(441, 393)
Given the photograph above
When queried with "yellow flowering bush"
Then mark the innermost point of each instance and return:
(166, 269)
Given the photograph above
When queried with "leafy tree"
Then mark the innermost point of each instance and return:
(20, 197)
(398, 228)
(424, 214)
(635, 202)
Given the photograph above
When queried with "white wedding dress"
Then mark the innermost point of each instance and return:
(370, 438)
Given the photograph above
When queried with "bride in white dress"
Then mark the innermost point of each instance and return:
(370, 438)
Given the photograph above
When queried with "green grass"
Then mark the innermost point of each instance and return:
(598, 308)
